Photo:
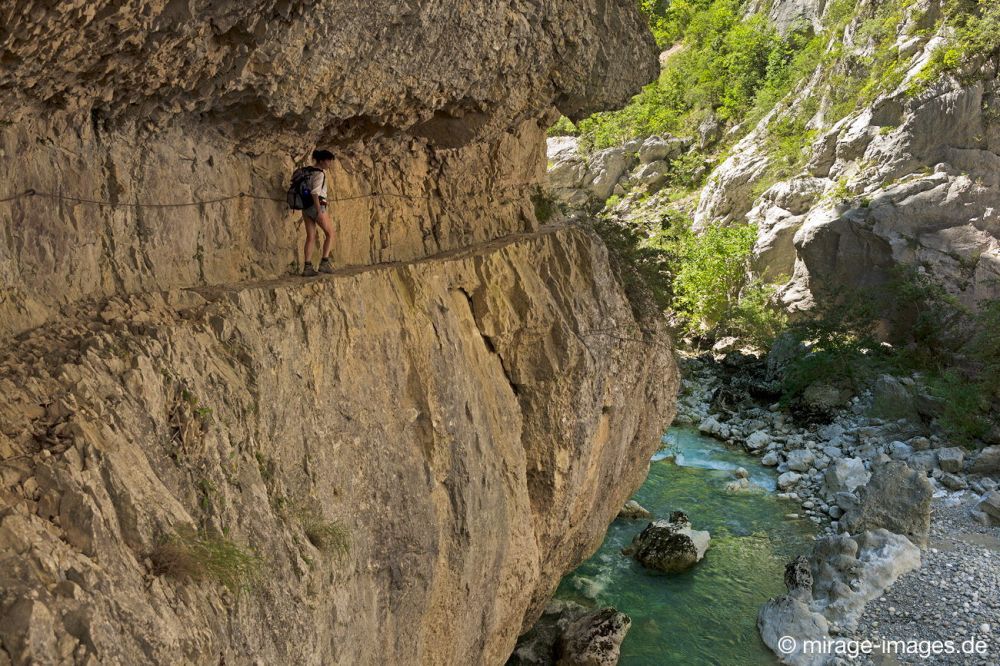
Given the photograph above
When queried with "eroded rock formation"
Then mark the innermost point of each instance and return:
(464, 418)
(472, 414)
(176, 101)
(908, 179)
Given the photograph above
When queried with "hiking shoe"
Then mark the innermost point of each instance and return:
(309, 271)
(325, 266)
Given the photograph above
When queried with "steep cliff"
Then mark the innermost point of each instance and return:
(177, 101)
(896, 162)
(204, 462)
(469, 419)
(860, 138)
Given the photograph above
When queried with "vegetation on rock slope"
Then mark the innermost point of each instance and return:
(724, 73)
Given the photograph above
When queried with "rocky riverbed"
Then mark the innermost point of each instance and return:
(955, 595)
(869, 462)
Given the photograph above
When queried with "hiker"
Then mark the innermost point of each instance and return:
(309, 188)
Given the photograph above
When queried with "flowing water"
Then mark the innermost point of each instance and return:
(708, 614)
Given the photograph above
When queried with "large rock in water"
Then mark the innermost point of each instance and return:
(790, 615)
(634, 511)
(594, 639)
(828, 591)
(569, 634)
(669, 545)
(898, 499)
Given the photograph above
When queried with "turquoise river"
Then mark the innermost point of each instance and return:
(706, 615)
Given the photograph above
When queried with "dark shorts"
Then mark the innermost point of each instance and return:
(312, 213)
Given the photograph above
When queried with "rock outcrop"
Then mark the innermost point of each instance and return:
(438, 108)
(594, 639)
(908, 178)
(568, 634)
(896, 498)
(414, 450)
(828, 591)
(457, 416)
(634, 511)
(579, 180)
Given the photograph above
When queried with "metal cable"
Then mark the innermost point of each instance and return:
(31, 192)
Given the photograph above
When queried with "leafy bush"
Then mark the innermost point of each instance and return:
(711, 272)
(964, 404)
(726, 62)
(668, 19)
(983, 346)
(689, 170)
(756, 318)
(963, 369)
(546, 207)
(190, 554)
(643, 269)
(977, 38)
(840, 345)
(703, 280)
(932, 326)
(563, 127)
(956, 351)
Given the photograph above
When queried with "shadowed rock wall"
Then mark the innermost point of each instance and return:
(176, 101)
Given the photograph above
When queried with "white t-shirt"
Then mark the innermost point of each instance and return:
(316, 182)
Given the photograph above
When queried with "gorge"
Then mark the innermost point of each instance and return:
(205, 460)
(737, 260)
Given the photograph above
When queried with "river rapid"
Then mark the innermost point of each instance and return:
(706, 615)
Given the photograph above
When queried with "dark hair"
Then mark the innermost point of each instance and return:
(320, 155)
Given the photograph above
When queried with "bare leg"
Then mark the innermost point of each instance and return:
(327, 227)
(307, 250)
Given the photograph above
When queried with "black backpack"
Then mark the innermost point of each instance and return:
(299, 196)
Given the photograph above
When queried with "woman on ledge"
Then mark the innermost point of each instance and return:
(314, 187)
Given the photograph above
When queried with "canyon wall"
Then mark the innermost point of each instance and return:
(470, 398)
(908, 178)
(175, 101)
(469, 420)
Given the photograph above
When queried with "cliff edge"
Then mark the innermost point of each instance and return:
(203, 461)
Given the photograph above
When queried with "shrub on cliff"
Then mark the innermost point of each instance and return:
(703, 281)
(723, 64)
(954, 350)
(841, 348)
(714, 289)
(643, 269)
(190, 554)
(668, 19)
(977, 38)
(712, 270)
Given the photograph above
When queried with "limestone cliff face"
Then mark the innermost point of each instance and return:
(908, 178)
(471, 398)
(471, 419)
(182, 100)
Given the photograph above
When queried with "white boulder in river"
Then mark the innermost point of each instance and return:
(633, 510)
(827, 591)
(669, 545)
